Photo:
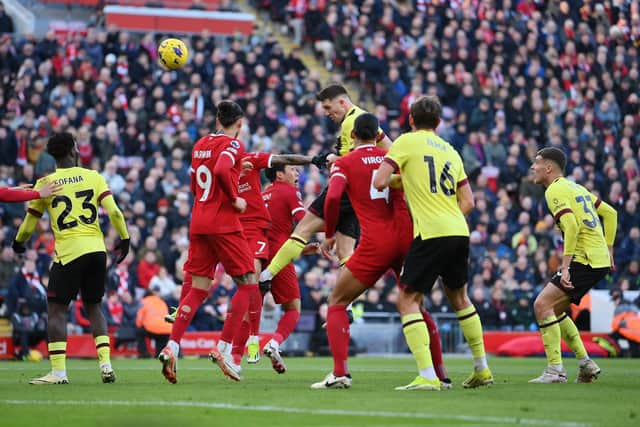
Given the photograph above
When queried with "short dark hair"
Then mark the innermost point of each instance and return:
(228, 113)
(366, 126)
(331, 92)
(271, 174)
(554, 154)
(60, 145)
(426, 112)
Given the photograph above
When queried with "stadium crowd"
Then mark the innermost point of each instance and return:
(513, 77)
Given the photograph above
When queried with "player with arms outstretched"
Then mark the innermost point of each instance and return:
(386, 237)
(439, 197)
(216, 235)
(20, 194)
(587, 259)
(339, 108)
(81, 261)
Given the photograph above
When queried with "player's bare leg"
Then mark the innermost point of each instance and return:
(344, 247)
(347, 289)
(549, 302)
(221, 354)
(286, 325)
(57, 335)
(292, 248)
(415, 331)
(472, 331)
(200, 287)
(101, 339)
(250, 327)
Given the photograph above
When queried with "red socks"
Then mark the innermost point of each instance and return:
(286, 325)
(240, 340)
(186, 285)
(188, 307)
(338, 334)
(239, 306)
(435, 346)
(255, 311)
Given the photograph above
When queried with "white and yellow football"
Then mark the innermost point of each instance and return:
(173, 53)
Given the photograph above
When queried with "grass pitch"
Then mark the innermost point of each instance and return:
(141, 396)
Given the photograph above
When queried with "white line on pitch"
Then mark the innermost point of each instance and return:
(306, 411)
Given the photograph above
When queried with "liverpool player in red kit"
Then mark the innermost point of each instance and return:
(19, 194)
(216, 235)
(386, 234)
(255, 222)
(286, 209)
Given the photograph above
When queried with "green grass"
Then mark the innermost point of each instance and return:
(141, 397)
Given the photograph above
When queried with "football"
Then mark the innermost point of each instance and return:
(172, 53)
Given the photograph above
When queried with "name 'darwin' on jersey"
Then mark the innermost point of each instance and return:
(202, 154)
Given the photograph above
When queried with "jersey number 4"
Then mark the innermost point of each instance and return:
(87, 195)
(447, 182)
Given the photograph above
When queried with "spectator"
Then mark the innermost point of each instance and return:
(150, 322)
(6, 21)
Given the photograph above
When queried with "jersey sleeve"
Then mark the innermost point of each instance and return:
(461, 178)
(557, 202)
(37, 206)
(259, 160)
(294, 204)
(396, 157)
(102, 188)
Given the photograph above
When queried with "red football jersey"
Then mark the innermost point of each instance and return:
(212, 211)
(284, 203)
(249, 188)
(378, 212)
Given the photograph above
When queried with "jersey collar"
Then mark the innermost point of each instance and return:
(365, 146)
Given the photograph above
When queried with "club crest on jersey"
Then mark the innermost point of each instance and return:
(235, 144)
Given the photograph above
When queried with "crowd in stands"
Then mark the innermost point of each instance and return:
(513, 77)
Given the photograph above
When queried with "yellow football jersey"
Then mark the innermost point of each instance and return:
(431, 173)
(564, 196)
(345, 139)
(74, 211)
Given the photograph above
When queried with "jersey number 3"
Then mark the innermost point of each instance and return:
(87, 195)
(587, 205)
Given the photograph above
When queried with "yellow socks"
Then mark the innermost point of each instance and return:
(570, 334)
(103, 349)
(290, 251)
(58, 356)
(550, 331)
(417, 336)
(472, 331)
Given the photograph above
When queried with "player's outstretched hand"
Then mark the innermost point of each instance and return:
(320, 160)
(240, 204)
(311, 249)
(49, 189)
(18, 247)
(122, 250)
(326, 248)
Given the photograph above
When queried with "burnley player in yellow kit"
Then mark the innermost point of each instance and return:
(439, 196)
(587, 259)
(339, 108)
(81, 259)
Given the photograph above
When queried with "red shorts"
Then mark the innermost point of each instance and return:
(372, 258)
(284, 286)
(231, 249)
(258, 242)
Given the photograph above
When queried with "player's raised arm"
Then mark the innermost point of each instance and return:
(383, 141)
(28, 226)
(609, 218)
(25, 194)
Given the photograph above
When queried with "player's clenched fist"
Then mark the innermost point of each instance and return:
(240, 204)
